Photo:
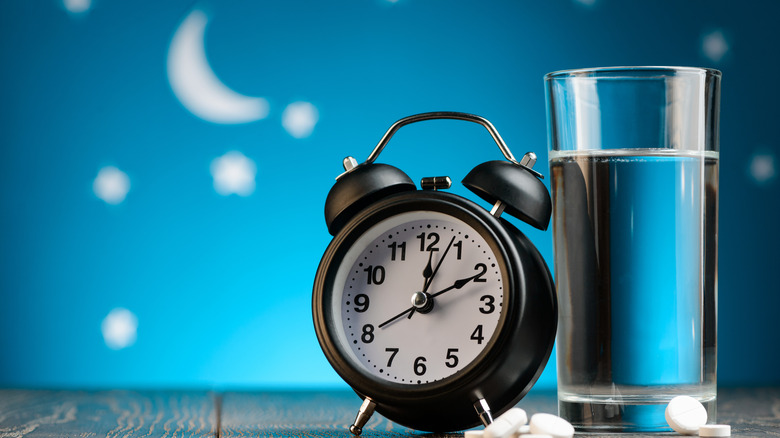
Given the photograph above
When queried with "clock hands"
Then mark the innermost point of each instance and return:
(422, 300)
(457, 285)
(395, 317)
(438, 265)
(428, 271)
(420, 297)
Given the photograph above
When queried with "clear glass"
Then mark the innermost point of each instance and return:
(634, 165)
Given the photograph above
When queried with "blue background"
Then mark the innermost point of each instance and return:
(221, 285)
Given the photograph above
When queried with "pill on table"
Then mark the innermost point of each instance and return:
(506, 424)
(473, 433)
(548, 424)
(534, 435)
(522, 432)
(715, 430)
(685, 415)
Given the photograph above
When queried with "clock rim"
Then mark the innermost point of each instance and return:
(326, 323)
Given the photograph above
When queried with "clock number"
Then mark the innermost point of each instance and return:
(476, 335)
(419, 366)
(451, 357)
(483, 269)
(489, 306)
(395, 246)
(368, 334)
(361, 303)
(376, 274)
(393, 352)
(459, 245)
(434, 237)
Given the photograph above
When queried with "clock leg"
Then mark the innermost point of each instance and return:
(363, 415)
(483, 410)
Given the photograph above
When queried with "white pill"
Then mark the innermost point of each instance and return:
(507, 424)
(548, 424)
(473, 433)
(685, 415)
(715, 430)
(522, 432)
(535, 435)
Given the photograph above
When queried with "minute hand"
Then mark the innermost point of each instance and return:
(429, 280)
(457, 285)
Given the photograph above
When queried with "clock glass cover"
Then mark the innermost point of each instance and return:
(419, 296)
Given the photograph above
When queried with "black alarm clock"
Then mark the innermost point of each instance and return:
(436, 311)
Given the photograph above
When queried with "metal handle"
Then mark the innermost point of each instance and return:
(442, 115)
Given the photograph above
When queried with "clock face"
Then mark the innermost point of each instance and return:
(419, 296)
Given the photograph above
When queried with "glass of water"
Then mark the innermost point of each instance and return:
(634, 165)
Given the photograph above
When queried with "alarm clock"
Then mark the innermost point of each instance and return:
(437, 312)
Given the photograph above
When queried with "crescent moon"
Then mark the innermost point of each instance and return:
(195, 84)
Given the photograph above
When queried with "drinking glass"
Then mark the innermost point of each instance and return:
(634, 165)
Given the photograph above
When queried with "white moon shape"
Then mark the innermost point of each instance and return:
(195, 84)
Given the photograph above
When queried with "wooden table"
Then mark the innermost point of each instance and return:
(752, 412)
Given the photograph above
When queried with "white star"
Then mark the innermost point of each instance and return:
(111, 185)
(119, 328)
(299, 119)
(234, 173)
(714, 45)
(762, 167)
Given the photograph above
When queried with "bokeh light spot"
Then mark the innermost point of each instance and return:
(111, 185)
(233, 173)
(77, 6)
(762, 167)
(714, 45)
(299, 119)
(120, 328)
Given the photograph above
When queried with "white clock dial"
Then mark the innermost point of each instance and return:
(420, 296)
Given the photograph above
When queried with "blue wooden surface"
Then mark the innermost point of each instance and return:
(752, 412)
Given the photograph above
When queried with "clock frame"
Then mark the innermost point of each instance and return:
(510, 362)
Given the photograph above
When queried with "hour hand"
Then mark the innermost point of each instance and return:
(427, 274)
(457, 285)
(428, 271)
